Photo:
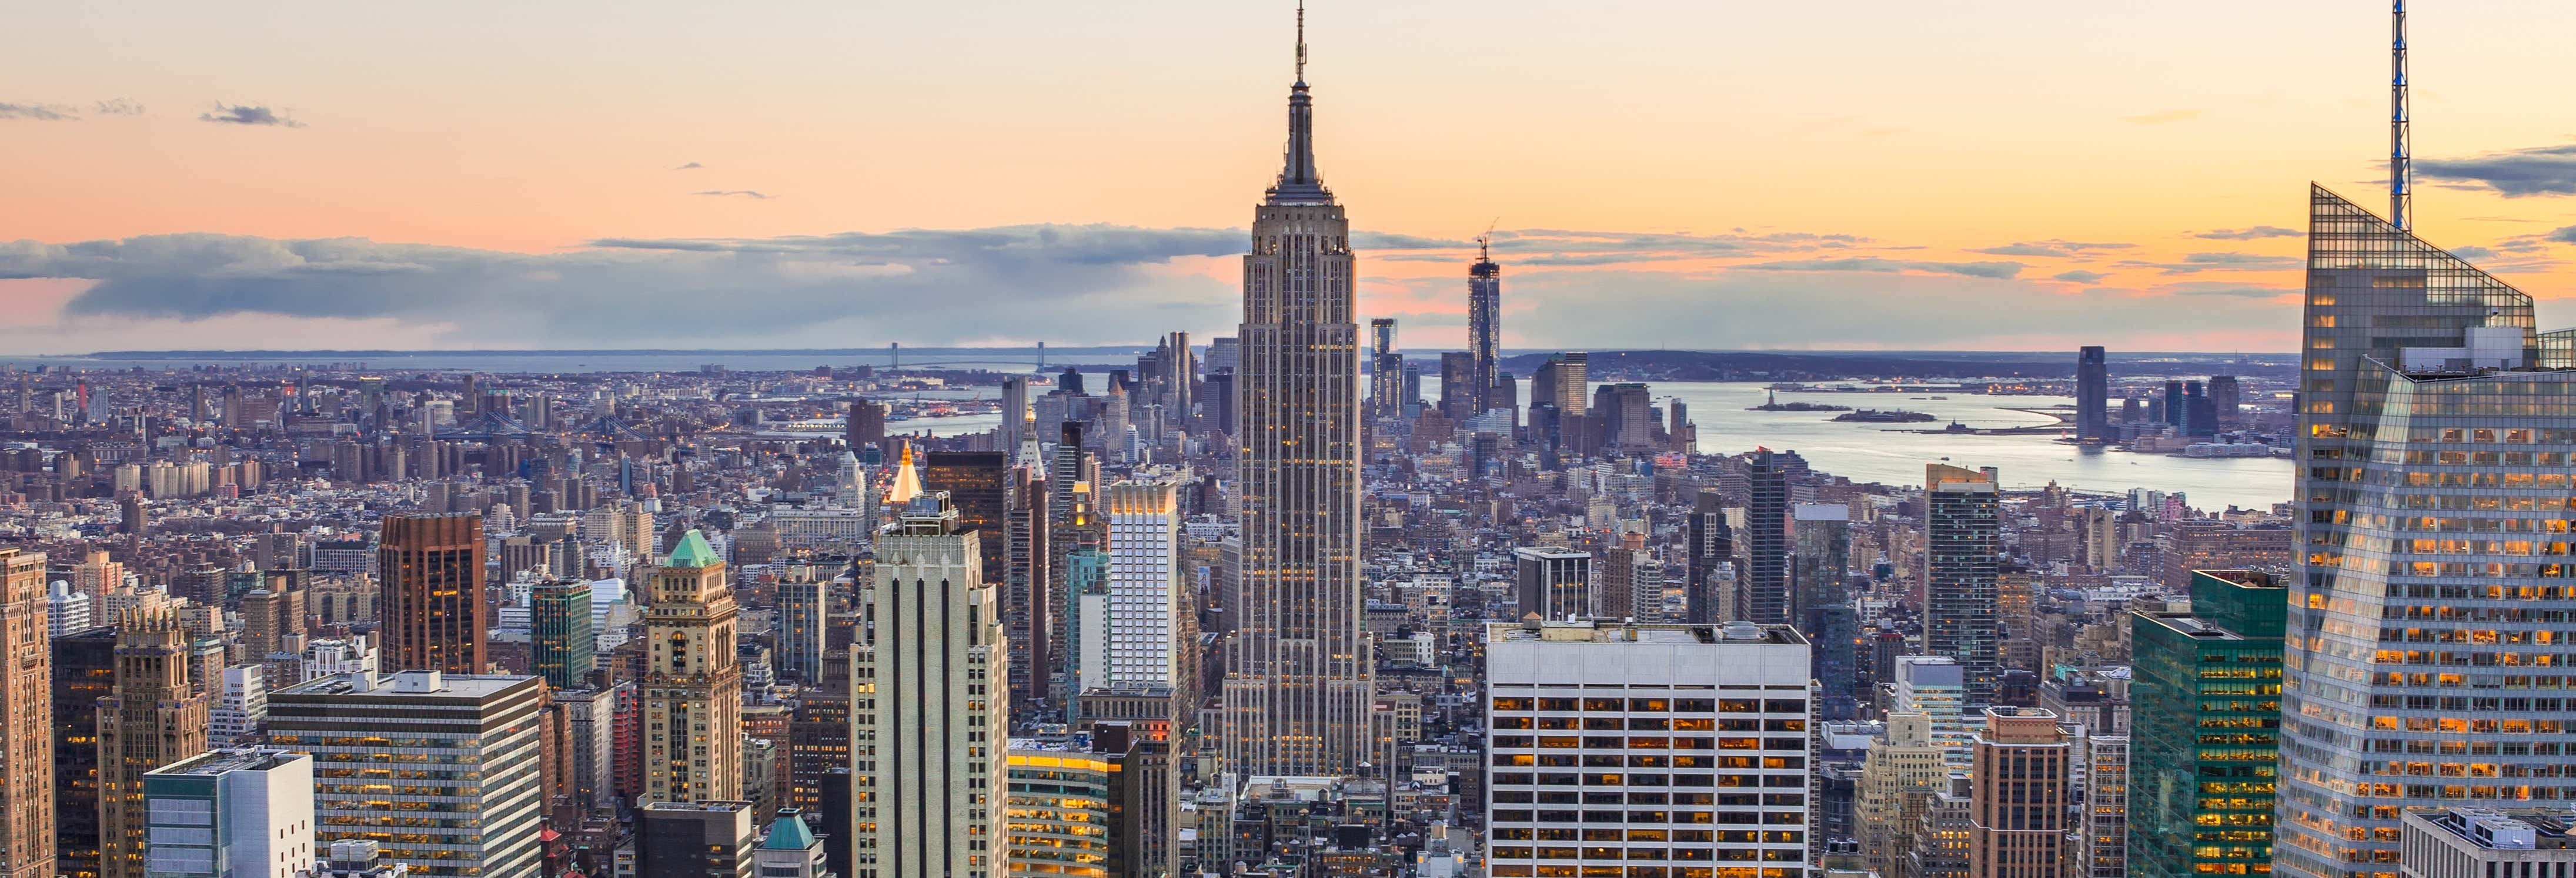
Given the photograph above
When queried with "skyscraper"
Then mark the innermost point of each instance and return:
(803, 605)
(432, 567)
(483, 730)
(26, 705)
(1145, 592)
(1028, 578)
(865, 426)
(2017, 818)
(1015, 414)
(560, 645)
(1555, 583)
(2092, 394)
(692, 683)
(1822, 605)
(1485, 323)
(1299, 676)
(1712, 543)
(2434, 428)
(156, 716)
(1386, 369)
(1460, 398)
(1762, 588)
(84, 673)
(928, 733)
(2212, 672)
(1962, 538)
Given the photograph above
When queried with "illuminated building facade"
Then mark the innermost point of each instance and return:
(692, 682)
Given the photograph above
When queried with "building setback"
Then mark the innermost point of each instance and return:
(157, 715)
(930, 716)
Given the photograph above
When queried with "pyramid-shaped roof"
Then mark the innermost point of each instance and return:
(693, 551)
(789, 834)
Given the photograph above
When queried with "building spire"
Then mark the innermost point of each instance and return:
(2401, 147)
(1299, 183)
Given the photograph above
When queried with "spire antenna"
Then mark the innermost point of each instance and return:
(2401, 147)
(1301, 37)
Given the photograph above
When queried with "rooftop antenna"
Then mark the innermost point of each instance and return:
(1301, 38)
(2401, 169)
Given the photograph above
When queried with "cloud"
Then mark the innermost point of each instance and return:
(1050, 281)
(38, 112)
(2248, 234)
(2230, 290)
(689, 167)
(2539, 170)
(2473, 253)
(2058, 248)
(2564, 235)
(118, 107)
(2199, 262)
(248, 115)
(744, 193)
(2081, 277)
(2160, 117)
(1873, 263)
(1368, 241)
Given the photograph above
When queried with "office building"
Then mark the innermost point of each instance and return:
(1627, 588)
(804, 605)
(1386, 370)
(1028, 580)
(239, 715)
(2102, 829)
(705, 839)
(1963, 542)
(2408, 439)
(157, 715)
(929, 721)
(1484, 325)
(1146, 596)
(561, 645)
(1564, 381)
(84, 671)
(2486, 842)
(431, 570)
(67, 610)
(2227, 400)
(474, 811)
(1062, 812)
(588, 749)
(865, 426)
(2092, 395)
(1898, 779)
(1821, 606)
(245, 813)
(791, 849)
(692, 681)
(2017, 816)
(1710, 548)
(26, 704)
(1299, 675)
(1460, 398)
(1554, 583)
(1935, 686)
(1712, 756)
(2213, 672)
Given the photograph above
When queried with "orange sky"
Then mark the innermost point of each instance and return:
(1918, 133)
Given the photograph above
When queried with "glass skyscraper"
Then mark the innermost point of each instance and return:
(2426, 646)
(2205, 696)
(1962, 541)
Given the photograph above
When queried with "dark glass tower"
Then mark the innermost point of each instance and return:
(2092, 394)
(1762, 589)
(1299, 677)
(1961, 542)
(2425, 652)
(1485, 324)
(2213, 673)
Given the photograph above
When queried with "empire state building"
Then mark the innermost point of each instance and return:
(1299, 677)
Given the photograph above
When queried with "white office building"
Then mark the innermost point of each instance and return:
(1689, 742)
(243, 711)
(1145, 594)
(1936, 686)
(244, 813)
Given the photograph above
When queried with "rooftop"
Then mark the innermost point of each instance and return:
(415, 684)
(214, 762)
(2504, 830)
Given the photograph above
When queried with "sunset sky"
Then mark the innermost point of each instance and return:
(1662, 173)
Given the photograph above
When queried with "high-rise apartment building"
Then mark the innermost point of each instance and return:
(930, 715)
(1146, 595)
(157, 715)
(865, 426)
(1485, 324)
(475, 810)
(1962, 545)
(1299, 674)
(1028, 580)
(2432, 444)
(245, 813)
(433, 602)
(2092, 394)
(84, 672)
(1555, 583)
(26, 705)
(804, 605)
(692, 682)
(560, 646)
(1762, 587)
(2017, 817)
(1707, 766)
(2212, 673)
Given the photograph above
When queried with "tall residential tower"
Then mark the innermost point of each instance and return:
(1299, 676)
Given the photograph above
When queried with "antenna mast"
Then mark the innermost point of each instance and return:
(1301, 37)
(2401, 163)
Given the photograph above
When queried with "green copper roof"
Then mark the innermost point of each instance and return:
(789, 833)
(693, 551)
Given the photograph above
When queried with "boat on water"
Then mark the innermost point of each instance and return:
(1885, 416)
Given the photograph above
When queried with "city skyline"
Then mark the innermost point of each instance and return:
(1835, 204)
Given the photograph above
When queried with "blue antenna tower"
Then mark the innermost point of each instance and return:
(2401, 147)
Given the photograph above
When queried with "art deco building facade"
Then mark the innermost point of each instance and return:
(929, 715)
(692, 684)
(2423, 660)
(1299, 676)
(26, 704)
(156, 716)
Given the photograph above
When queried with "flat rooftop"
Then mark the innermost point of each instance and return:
(214, 762)
(1609, 631)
